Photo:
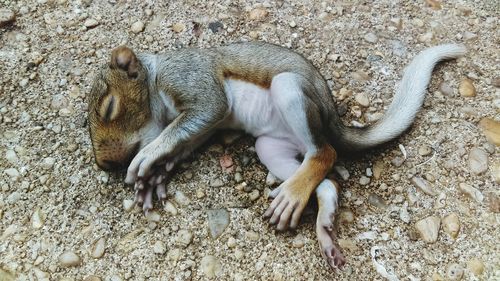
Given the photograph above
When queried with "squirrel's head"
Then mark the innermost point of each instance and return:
(118, 110)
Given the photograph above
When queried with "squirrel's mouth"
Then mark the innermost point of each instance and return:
(118, 161)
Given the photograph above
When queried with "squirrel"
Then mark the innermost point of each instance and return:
(149, 111)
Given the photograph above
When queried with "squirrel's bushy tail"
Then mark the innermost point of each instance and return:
(405, 105)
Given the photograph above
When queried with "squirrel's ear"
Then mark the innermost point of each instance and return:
(123, 58)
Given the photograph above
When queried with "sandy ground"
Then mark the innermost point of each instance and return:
(64, 219)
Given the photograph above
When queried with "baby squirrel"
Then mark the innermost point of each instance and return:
(147, 112)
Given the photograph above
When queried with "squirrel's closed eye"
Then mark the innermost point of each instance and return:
(109, 108)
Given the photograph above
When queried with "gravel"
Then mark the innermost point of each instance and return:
(57, 207)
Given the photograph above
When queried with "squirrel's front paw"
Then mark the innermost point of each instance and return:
(141, 165)
(144, 190)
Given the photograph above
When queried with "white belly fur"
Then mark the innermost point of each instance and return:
(252, 110)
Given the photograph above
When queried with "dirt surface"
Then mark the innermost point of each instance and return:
(64, 219)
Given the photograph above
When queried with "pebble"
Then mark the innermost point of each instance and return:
(377, 201)
(153, 216)
(424, 150)
(216, 183)
(299, 241)
(11, 156)
(174, 255)
(159, 248)
(258, 14)
(98, 248)
(271, 180)
(238, 254)
(137, 27)
(181, 198)
(491, 129)
(178, 27)
(69, 259)
(428, 228)
(252, 235)
(423, 185)
(404, 215)
(184, 238)
(398, 161)
(478, 161)
(170, 208)
(37, 219)
(455, 272)
(128, 205)
(440, 201)
(471, 192)
(466, 88)
(218, 220)
(426, 37)
(200, 194)
(371, 37)
(12, 172)
(361, 76)
(451, 225)
(13, 197)
(342, 172)
(475, 266)
(92, 278)
(211, 266)
(446, 89)
(6, 17)
(91, 23)
(435, 5)
(348, 244)
(48, 163)
(292, 24)
(231, 242)
(362, 99)
(378, 168)
(364, 180)
(24, 82)
(346, 216)
(254, 195)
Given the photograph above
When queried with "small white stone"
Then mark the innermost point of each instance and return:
(153, 216)
(426, 37)
(451, 225)
(429, 228)
(170, 208)
(471, 192)
(11, 156)
(254, 195)
(423, 185)
(455, 272)
(478, 161)
(342, 172)
(69, 259)
(371, 37)
(24, 82)
(48, 163)
(90, 23)
(37, 219)
(211, 266)
(98, 248)
(128, 205)
(271, 180)
(362, 99)
(184, 238)
(292, 24)
(181, 198)
(231, 242)
(159, 248)
(12, 172)
(298, 241)
(364, 180)
(137, 27)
